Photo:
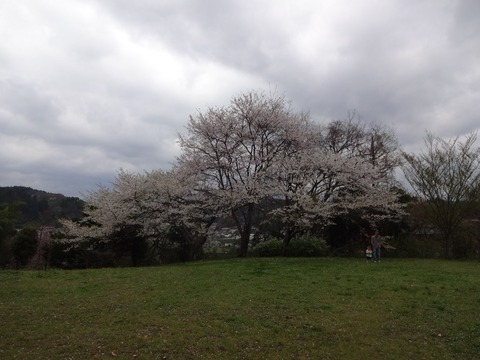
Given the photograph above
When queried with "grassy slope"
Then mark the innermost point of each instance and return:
(245, 309)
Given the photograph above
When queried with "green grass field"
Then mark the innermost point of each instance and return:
(245, 309)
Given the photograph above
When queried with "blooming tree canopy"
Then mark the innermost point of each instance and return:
(235, 151)
(158, 203)
(257, 148)
(235, 157)
(317, 185)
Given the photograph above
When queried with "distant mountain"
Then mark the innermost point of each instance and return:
(40, 206)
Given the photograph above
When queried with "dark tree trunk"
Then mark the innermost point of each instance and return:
(193, 242)
(244, 227)
(286, 240)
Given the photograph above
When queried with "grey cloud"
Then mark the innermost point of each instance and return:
(466, 27)
(22, 104)
(232, 32)
(115, 80)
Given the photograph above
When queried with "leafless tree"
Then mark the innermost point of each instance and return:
(446, 178)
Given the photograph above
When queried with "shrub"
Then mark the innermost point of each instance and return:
(303, 246)
(268, 248)
(307, 246)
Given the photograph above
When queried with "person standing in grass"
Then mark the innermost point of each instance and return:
(376, 242)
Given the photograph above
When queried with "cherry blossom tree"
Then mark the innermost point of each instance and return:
(258, 148)
(318, 185)
(110, 215)
(254, 150)
(153, 205)
(235, 150)
(373, 143)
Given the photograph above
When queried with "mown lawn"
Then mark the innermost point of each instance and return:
(245, 309)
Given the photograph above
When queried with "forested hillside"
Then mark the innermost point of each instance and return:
(40, 206)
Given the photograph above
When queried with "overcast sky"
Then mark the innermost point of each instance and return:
(91, 86)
